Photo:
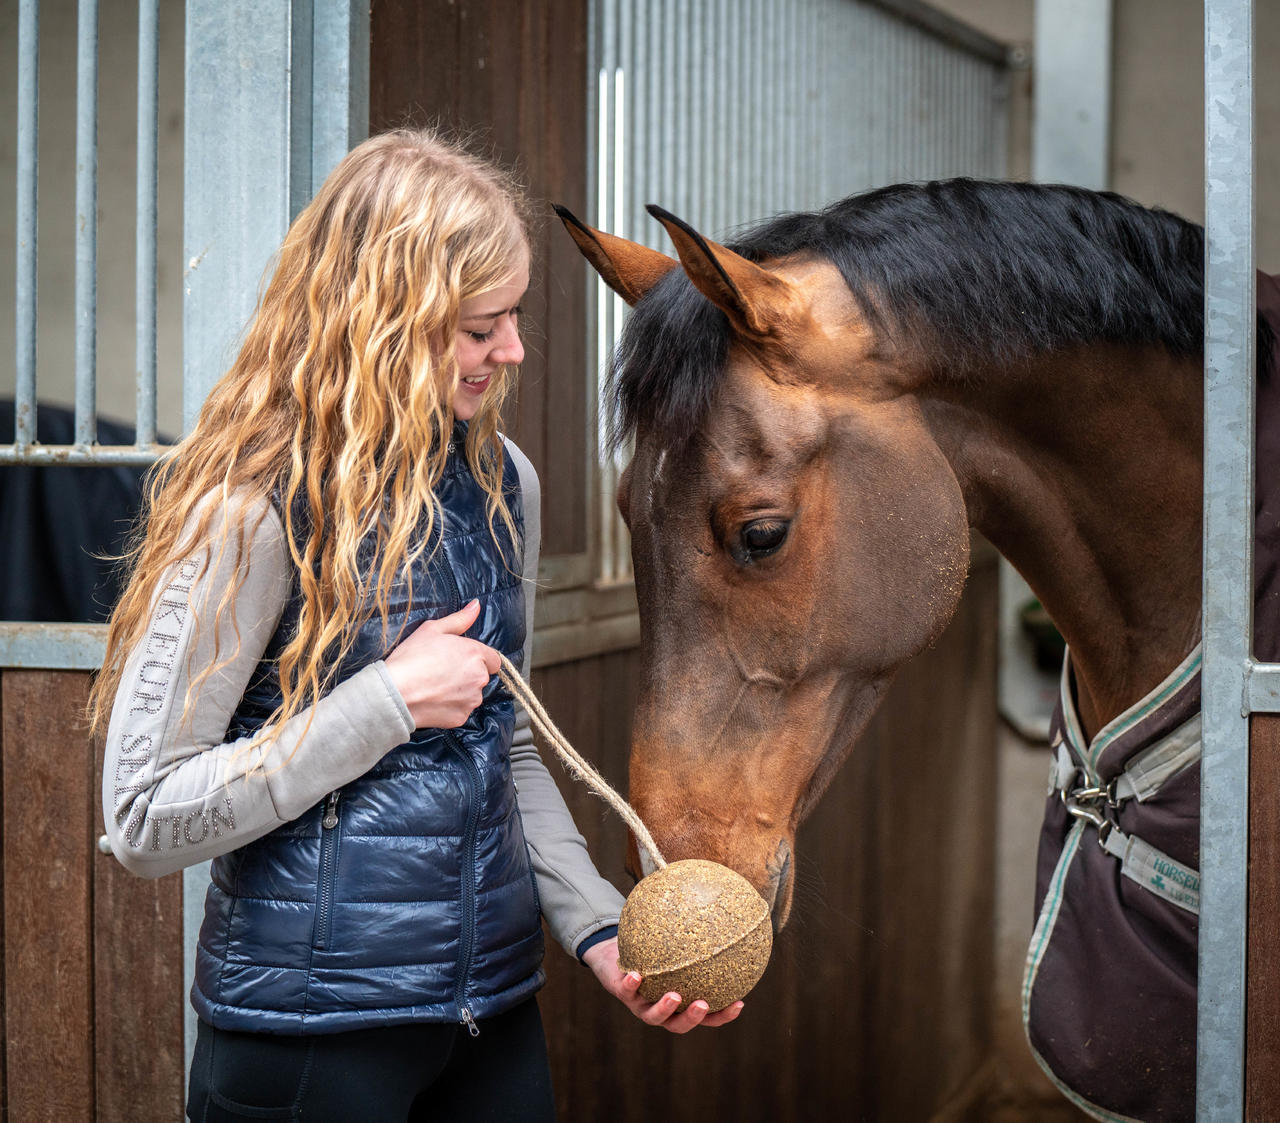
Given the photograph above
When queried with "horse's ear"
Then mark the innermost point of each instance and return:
(751, 297)
(628, 268)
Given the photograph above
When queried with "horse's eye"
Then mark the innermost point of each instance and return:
(763, 537)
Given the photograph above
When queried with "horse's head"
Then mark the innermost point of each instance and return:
(796, 538)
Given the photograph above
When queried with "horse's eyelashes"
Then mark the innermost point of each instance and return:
(760, 538)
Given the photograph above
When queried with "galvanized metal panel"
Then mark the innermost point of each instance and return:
(85, 295)
(27, 199)
(1228, 571)
(728, 112)
(86, 283)
(1262, 688)
(236, 182)
(257, 149)
(57, 647)
(146, 211)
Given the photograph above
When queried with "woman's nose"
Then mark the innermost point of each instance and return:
(508, 347)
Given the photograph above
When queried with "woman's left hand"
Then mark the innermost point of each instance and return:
(624, 986)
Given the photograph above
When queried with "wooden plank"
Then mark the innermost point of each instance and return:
(48, 851)
(1262, 1000)
(568, 410)
(513, 76)
(138, 989)
(4, 1047)
(402, 90)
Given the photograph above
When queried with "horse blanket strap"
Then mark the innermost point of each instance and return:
(1086, 798)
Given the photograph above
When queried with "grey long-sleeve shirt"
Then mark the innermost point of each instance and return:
(175, 792)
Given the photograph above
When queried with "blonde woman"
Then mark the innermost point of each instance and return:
(300, 677)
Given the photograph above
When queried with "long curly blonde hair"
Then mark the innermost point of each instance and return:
(340, 403)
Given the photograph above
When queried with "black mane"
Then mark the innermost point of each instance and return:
(975, 271)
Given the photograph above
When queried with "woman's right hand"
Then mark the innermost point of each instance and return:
(441, 675)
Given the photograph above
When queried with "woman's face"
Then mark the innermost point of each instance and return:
(488, 337)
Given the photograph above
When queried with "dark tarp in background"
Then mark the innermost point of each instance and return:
(56, 522)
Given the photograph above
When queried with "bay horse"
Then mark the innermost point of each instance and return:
(821, 410)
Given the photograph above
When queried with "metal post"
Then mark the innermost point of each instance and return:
(86, 222)
(248, 65)
(28, 179)
(1228, 571)
(145, 268)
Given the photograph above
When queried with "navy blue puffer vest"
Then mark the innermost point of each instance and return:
(407, 896)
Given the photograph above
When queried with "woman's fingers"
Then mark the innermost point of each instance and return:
(456, 623)
(723, 1017)
(440, 673)
(666, 1013)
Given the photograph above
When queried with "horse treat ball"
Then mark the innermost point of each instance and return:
(696, 928)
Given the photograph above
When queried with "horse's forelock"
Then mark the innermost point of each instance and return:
(668, 364)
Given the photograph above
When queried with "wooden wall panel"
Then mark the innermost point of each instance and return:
(512, 76)
(4, 1043)
(92, 956)
(877, 1003)
(1262, 1004)
(48, 855)
(139, 1000)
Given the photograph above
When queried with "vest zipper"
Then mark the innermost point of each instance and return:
(328, 867)
(467, 939)
(330, 812)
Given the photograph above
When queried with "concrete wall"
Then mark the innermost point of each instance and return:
(1157, 111)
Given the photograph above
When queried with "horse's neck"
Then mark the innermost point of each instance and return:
(1085, 472)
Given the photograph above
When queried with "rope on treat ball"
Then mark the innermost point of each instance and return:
(576, 765)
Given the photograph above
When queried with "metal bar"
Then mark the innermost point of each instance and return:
(40, 454)
(679, 120)
(633, 66)
(301, 121)
(950, 30)
(1228, 539)
(86, 283)
(1262, 688)
(145, 268)
(27, 272)
(53, 647)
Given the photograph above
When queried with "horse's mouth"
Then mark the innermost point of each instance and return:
(780, 886)
(777, 890)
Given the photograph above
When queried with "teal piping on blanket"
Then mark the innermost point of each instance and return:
(1039, 942)
(1048, 916)
(1090, 753)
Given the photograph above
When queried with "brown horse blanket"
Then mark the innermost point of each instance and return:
(1109, 995)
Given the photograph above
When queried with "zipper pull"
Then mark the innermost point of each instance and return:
(330, 819)
(470, 1022)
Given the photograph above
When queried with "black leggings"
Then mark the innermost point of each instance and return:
(395, 1073)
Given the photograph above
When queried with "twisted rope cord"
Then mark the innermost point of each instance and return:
(574, 763)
